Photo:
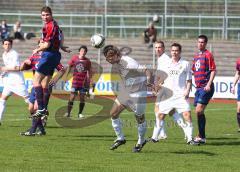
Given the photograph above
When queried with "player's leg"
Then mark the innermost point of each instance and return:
(238, 106)
(117, 108)
(81, 103)
(5, 94)
(72, 96)
(46, 90)
(162, 134)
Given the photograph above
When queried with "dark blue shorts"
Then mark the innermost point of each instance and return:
(203, 97)
(238, 92)
(48, 62)
(32, 96)
(80, 89)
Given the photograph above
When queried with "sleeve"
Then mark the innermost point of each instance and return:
(71, 61)
(49, 31)
(238, 65)
(60, 67)
(211, 62)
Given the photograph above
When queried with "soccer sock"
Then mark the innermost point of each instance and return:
(238, 119)
(201, 125)
(162, 132)
(81, 107)
(69, 109)
(2, 108)
(159, 124)
(39, 97)
(177, 118)
(188, 130)
(34, 125)
(117, 126)
(142, 128)
(46, 96)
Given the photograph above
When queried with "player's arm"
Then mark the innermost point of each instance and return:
(10, 69)
(58, 76)
(235, 81)
(188, 88)
(42, 46)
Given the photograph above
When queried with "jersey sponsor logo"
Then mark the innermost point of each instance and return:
(197, 65)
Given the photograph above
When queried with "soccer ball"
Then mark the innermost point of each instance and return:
(155, 18)
(97, 40)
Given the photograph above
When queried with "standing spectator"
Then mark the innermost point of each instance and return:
(150, 34)
(17, 29)
(236, 82)
(13, 79)
(4, 30)
(82, 76)
(204, 70)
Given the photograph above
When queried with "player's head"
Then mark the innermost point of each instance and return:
(112, 54)
(159, 47)
(82, 50)
(176, 50)
(202, 42)
(7, 44)
(46, 14)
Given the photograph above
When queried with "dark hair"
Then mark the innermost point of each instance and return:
(83, 47)
(112, 49)
(177, 45)
(203, 37)
(160, 42)
(46, 9)
(7, 39)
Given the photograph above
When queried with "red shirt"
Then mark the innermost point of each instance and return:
(35, 59)
(52, 33)
(238, 64)
(81, 70)
(203, 64)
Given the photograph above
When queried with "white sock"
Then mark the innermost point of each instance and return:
(157, 128)
(179, 120)
(188, 131)
(142, 128)
(2, 108)
(117, 126)
(163, 130)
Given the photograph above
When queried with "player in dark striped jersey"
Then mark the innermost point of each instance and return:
(236, 82)
(82, 74)
(204, 70)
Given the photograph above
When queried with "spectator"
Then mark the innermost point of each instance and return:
(17, 29)
(150, 34)
(4, 30)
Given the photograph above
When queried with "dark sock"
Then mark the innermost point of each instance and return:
(70, 105)
(201, 125)
(46, 96)
(39, 96)
(81, 107)
(34, 125)
(238, 119)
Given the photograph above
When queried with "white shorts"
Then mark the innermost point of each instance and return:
(180, 104)
(20, 90)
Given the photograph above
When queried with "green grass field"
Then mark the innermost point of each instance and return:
(87, 149)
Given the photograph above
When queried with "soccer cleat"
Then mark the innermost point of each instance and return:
(67, 115)
(27, 133)
(238, 129)
(117, 143)
(81, 116)
(40, 113)
(162, 137)
(193, 143)
(152, 140)
(44, 120)
(200, 140)
(138, 147)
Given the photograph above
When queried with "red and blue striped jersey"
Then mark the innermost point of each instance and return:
(35, 59)
(52, 33)
(81, 71)
(203, 64)
(238, 64)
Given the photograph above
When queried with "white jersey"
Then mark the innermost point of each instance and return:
(178, 73)
(11, 59)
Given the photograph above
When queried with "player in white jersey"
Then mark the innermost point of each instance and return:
(162, 62)
(132, 94)
(13, 80)
(179, 81)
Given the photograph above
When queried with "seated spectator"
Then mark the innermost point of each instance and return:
(17, 29)
(4, 30)
(150, 34)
